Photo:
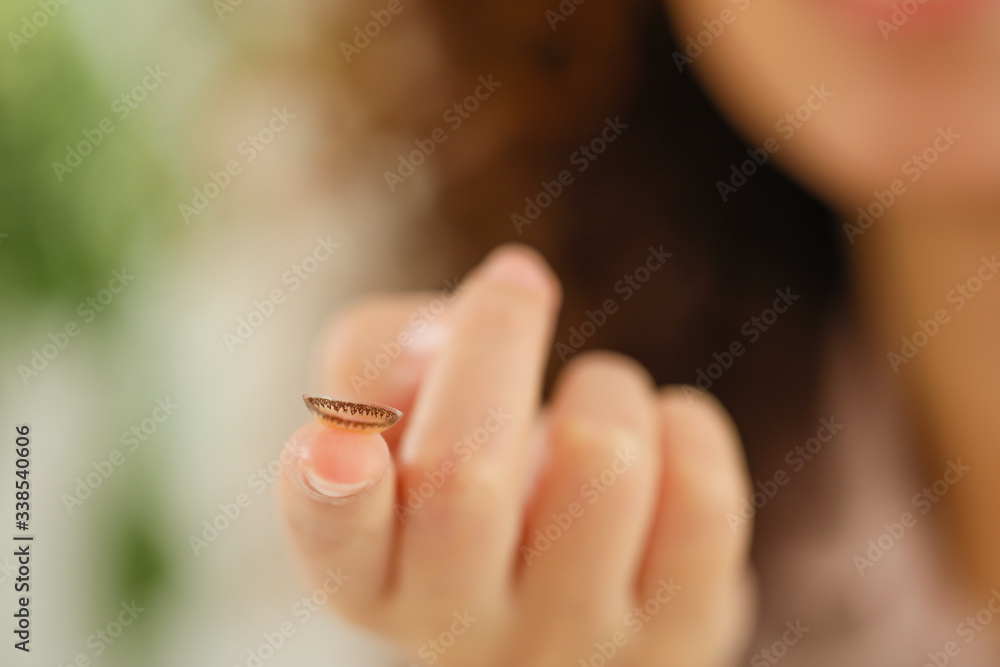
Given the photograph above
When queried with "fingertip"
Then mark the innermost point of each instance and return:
(334, 465)
(523, 266)
(700, 414)
(704, 463)
(699, 535)
(336, 495)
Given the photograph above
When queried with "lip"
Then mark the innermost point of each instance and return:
(927, 13)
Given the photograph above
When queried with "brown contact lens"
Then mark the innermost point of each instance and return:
(352, 415)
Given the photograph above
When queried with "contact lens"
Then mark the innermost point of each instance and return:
(352, 415)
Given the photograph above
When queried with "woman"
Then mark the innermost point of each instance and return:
(851, 342)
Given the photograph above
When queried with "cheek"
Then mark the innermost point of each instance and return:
(850, 111)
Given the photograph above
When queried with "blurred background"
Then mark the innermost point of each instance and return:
(128, 262)
(190, 189)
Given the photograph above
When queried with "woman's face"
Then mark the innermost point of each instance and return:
(859, 94)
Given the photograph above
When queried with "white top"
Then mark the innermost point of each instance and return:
(886, 603)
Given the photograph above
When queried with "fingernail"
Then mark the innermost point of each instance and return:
(518, 266)
(335, 465)
(332, 489)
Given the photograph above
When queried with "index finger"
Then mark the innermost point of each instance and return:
(469, 430)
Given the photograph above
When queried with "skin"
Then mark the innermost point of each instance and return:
(890, 95)
(664, 518)
(658, 520)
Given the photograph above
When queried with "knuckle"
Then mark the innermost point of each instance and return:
(704, 479)
(701, 405)
(502, 311)
(591, 443)
(609, 453)
(710, 495)
(712, 468)
(447, 488)
(479, 485)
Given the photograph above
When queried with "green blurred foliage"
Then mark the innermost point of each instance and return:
(60, 240)
(64, 238)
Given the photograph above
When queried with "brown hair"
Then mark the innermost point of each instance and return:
(655, 184)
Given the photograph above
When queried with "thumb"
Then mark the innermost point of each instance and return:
(337, 495)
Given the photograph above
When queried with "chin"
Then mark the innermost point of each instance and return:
(913, 98)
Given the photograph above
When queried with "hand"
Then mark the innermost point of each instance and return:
(486, 529)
